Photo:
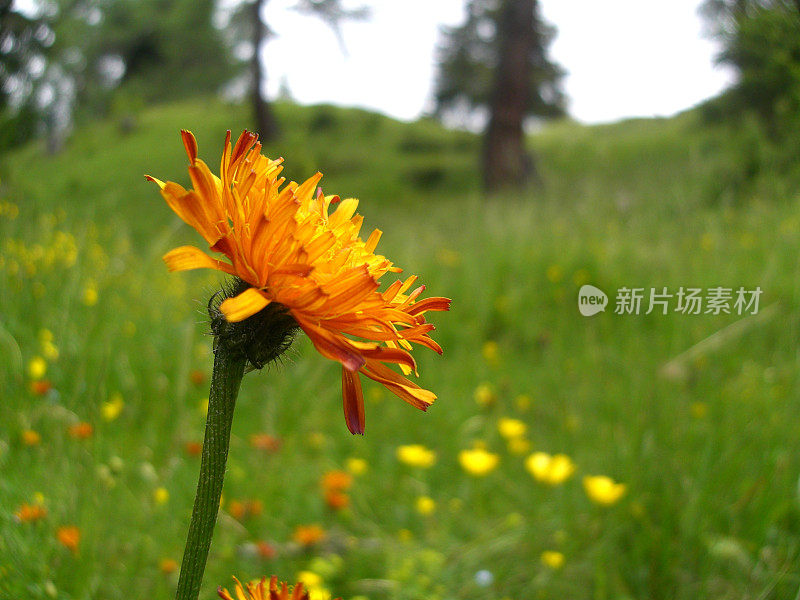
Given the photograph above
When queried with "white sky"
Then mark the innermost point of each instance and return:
(624, 58)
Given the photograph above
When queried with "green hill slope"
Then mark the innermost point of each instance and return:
(694, 413)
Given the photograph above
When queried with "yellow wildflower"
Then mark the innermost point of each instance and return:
(161, 495)
(552, 559)
(113, 407)
(425, 505)
(416, 455)
(37, 367)
(548, 469)
(519, 445)
(90, 295)
(511, 428)
(356, 466)
(491, 352)
(478, 462)
(484, 395)
(603, 490)
(31, 437)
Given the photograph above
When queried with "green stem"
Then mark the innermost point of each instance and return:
(225, 381)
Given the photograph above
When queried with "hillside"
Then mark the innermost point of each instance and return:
(706, 448)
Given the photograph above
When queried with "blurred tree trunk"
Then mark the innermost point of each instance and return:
(266, 125)
(505, 162)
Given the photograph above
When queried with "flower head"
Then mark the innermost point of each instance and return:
(552, 559)
(603, 490)
(69, 536)
(30, 513)
(511, 428)
(550, 469)
(308, 535)
(260, 591)
(478, 462)
(416, 455)
(302, 267)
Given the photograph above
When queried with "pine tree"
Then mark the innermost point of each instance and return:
(497, 60)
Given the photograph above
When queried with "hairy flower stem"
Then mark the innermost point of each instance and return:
(225, 381)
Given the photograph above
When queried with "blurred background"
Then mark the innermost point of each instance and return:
(512, 151)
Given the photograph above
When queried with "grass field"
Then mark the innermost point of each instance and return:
(695, 414)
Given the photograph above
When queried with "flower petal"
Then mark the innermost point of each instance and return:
(246, 304)
(186, 258)
(399, 385)
(353, 400)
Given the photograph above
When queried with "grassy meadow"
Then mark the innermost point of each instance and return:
(105, 363)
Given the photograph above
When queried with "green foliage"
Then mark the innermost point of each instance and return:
(761, 40)
(154, 49)
(24, 43)
(468, 56)
(708, 454)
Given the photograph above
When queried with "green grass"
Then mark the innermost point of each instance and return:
(710, 455)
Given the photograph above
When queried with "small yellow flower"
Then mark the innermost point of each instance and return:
(50, 351)
(580, 277)
(112, 409)
(519, 445)
(356, 466)
(522, 402)
(484, 395)
(161, 495)
(90, 296)
(491, 352)
(603, 490)
(309, 579)
(548, 469)
(554, 273)
(511, 428)
(552, 559)
(416, 455)
(699, 410)
(425, 505)
(37, 367)
(478, 462)
(31, 437)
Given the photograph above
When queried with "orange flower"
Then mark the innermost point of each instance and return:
(41, 387)
(236, 509)
(193, 448)
(337, 481)
(336, 500)
(81, 431)
(264, 441)
(197, 377)
(259, 591)
(167, 566)
(265, 550)
(285, 245)
(29, 513)
(69, 536)
(308, 535)
(31, 437)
